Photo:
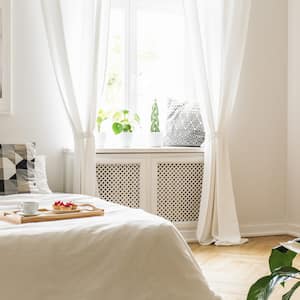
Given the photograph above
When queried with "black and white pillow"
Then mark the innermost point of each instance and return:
(17, 168)
(184, 125)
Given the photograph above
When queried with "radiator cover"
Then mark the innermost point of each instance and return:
(119, 183)
(179, 190)
(170, 188)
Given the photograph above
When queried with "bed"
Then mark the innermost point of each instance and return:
(127, 254)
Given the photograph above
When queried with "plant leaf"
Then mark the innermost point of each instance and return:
(127, 128)
(99, 120)
(101, 112)
(290, 293)
(136, 118)
(280, 257)
(263, 287)
(117, 116)
(117, 128)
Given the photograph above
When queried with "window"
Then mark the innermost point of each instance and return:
(148, 59)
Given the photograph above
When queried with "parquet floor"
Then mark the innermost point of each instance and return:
(230, 271)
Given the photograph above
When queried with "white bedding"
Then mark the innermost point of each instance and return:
(128, 254)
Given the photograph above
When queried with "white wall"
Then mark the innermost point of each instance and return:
(293, 170)
(258, 139)
(37, 109)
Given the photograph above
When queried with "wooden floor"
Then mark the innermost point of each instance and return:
(230, 271)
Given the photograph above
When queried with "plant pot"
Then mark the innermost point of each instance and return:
(100, 138)
(155, 139)
(126, 139)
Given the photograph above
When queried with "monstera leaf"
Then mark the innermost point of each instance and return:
(280, 264)
(281, 256)
(262, 288)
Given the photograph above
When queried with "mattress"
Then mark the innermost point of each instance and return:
(127, 254)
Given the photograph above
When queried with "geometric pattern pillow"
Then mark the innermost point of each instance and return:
(184, 125)
(17, 174)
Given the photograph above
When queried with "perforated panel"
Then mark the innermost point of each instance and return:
(179, 190)
(119, 183)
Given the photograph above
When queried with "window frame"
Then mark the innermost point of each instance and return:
(129, 7)
(130, 61)
(130, 10)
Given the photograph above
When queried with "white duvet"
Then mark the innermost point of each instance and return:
(127, 254)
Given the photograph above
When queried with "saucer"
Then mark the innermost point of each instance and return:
(30, 215)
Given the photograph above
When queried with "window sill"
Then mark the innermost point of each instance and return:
(150, 150)
(117, 150)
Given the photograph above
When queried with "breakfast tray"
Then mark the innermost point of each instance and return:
(87, 210)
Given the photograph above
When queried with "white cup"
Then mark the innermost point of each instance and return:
(29, 207)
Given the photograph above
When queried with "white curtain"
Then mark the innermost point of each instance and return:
(77, 32)
(217, 33)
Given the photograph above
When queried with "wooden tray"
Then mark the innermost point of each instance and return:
(46, 215)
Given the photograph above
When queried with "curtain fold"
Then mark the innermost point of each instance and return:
(77, 32)
(217, 32)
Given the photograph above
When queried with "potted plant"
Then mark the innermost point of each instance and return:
(281, 271)
(155, 134)
(101, 136)
(123, 125)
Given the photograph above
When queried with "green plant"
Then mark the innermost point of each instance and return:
(280, 264)
(101, 117)
(124, 121)
(155, 118)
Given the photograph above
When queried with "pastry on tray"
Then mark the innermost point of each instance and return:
(60, 205)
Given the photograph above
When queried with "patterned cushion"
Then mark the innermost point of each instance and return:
(184, 125)
(17, 173)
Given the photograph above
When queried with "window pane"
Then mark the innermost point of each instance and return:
(114, 90)
(161, 57)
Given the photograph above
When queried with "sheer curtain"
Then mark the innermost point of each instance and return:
(77, 32)
(217, 31)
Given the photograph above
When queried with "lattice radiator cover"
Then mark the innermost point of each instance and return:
(119, 183)
(179, 187)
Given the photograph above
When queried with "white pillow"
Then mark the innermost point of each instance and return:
(41, 175)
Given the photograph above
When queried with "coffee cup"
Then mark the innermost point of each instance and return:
(29, 207)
